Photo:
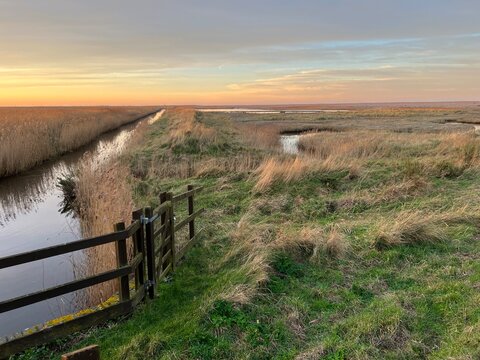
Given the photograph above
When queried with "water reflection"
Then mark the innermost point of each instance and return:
(290, 143)
(268, 111)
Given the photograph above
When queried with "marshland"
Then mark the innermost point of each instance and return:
(29, 136)
(360, 244)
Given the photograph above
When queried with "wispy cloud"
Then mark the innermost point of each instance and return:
(253, 51)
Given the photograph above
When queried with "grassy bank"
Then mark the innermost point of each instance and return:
(364, 247)
(29, 136)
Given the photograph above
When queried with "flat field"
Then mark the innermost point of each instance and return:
(363, 246)
(31, 135)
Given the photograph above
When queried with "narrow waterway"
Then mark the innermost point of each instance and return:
(30, 219)
(290, 143)
(476, 127)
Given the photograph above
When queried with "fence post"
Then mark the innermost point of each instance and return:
(139, 247)
(164, 234)
(169, 197)
(191, 224)
(150, 249)
(122, 260)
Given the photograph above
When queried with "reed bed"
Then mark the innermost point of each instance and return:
(29, 136)
(417, 154)
(104, 198)
(260, 136)
(185, 126)
(177, 167)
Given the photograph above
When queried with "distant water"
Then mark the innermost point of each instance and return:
(290, 143)
(265, 111)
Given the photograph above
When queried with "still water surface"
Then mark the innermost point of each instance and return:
(290, 143)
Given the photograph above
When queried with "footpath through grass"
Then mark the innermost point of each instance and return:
(376, 257)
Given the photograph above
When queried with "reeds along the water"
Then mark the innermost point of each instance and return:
(261, 136)
(29, 136)
(104, 198)
(417, 154)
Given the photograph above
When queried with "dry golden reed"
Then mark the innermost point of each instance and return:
(260, 136)
(418, 154)
(29, 136)
(410, 227)
(184, 124)
(104, 198)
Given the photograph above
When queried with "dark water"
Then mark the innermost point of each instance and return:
(30, 219)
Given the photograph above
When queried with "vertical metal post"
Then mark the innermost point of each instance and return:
(122, 260)
(150, 249)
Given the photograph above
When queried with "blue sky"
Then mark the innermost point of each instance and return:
(233, 52)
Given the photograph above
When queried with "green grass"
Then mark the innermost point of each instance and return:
(411, 301)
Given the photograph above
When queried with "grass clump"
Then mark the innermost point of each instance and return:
(410, 228)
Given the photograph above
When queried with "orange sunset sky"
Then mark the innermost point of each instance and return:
(57, 52)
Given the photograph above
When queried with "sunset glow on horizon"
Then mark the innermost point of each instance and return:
(110, 52)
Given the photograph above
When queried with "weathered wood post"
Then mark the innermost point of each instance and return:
(164, 234)
(191, 224)
(150, 249)
(169, 197)
(139, 248)
(122, 260)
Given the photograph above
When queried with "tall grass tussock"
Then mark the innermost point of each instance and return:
(410, 228)
(103, 198)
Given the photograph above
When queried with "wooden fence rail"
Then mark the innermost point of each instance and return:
(155, 255)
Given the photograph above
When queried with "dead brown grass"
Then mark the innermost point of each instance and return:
(410, 227)
(184, 124)
(418, 154)
(290, 169)
(399, 190)
(260, 136)
(104, 199)
(170, 166)
(29, 136)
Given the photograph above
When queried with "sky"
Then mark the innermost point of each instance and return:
(119, 52)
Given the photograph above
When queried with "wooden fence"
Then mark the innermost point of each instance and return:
(155, 255)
